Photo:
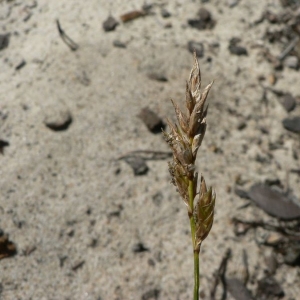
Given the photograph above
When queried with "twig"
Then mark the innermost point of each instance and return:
(68, 41)
(289, 48)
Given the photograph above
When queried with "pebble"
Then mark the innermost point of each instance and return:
(7, 248)
(137, 164)
(3, 144)
(165, 13)
(291, 62)
(151, 294)
(110, 24)
(119, 44)
(4, 41)
(153, 122)
(197, 47)
(292, 255)
(288, 102)
(234, 48)
(274, 203)
(204, 20)
(57, 117)
(292, 124)
(158, 76)
(269, 288)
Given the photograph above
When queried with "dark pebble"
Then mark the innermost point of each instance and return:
(119, 44)
(237, 50)
(20, 65)
(268, 288)
(158, 76)
(288, 102)
(139, 247)
(204, 20)
(165, 13)
(110, 24)
(292, 124)
(153, 122)
(3, 144)
(137, 164)
(7, 248)
(197, 47)
(151, 294)
(237, 289)
(274, 203)
(292, 254)
(59, 122)
(4, 41)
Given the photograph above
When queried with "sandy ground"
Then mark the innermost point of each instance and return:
(79, 217)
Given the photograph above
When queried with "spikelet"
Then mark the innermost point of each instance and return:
(185, 138)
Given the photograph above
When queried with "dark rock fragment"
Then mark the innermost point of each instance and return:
(20, 65)
(158, 76)
(237, 289)
(288, 102)
(151, 295)
(4, 41)
(197, 47)
(165, 13)
(7, 248)
(268, 288)
(110, 24)
(234, 48)
(274, 203)
(151, 120)
(292, 124)
(57, 116)
(137, 164)
(139, 247)
(3, 144)
(119, 44)
(292, 255)
(204, 20)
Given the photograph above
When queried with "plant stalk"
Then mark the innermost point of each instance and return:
(193, 231)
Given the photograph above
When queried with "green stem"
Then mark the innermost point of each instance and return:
(193, 231)
(196, 275)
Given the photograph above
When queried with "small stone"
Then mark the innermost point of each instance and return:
(288, 102)
(292, 124)
(197, 47)
(271, 263)
(158, 76)
(137, 164)
(4, 41)
(274, 203)
(274, 239)
(235, 49)
(268, 288)
(165, 13)
(292, 255)
(204, 20)
(139, 247)
(110, 24)
(57, 117)
(272, 79)
(291, 62)
(3, 144)
(153, 122)
(151, 295)
(7, 248)
(119, 44)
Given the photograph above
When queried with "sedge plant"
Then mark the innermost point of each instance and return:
(185, 138)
